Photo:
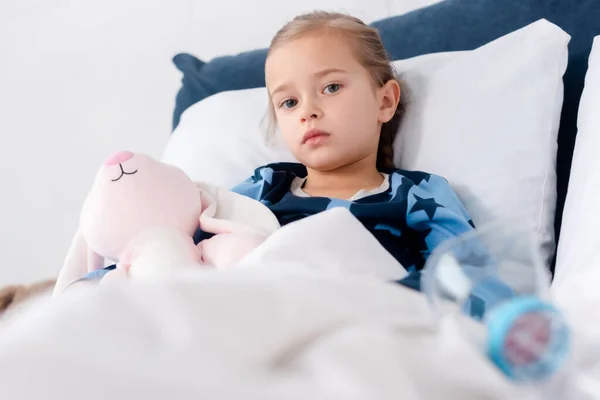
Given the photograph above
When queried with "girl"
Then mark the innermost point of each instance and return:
(335, 98)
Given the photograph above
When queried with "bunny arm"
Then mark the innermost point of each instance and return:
(153, 252)
(212, 224)
(160, 251)
(228, 212)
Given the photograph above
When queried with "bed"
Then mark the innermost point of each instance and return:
(307, 327)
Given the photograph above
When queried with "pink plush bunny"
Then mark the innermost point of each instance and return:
(142, 214)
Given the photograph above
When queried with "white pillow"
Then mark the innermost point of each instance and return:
(579, 245)
(486, 119)
(220, 139)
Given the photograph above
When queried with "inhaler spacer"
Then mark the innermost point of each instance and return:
(495, 276)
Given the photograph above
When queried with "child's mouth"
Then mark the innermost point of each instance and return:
(315, 136)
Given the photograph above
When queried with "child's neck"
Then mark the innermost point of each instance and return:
(344, 182)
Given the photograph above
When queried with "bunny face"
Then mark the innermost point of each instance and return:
(134, 192)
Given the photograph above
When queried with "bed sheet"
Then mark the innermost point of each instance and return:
(290, 322)
(280, 335)
(285, 324)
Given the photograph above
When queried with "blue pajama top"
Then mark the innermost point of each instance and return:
(416, 213)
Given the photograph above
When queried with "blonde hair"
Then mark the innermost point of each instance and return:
(370, 53)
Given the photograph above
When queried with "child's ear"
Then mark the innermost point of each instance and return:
(389, 97)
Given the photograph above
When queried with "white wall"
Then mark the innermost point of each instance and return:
(263, 17)
(80, 79)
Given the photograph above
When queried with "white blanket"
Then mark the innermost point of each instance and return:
(298, 320)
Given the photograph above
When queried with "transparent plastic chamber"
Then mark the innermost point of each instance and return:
(495, 278)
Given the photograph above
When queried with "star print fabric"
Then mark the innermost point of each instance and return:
(415, 214)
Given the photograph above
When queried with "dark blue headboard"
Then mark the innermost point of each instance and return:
(447, 26)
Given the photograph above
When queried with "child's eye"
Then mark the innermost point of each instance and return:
(330, 89)
(289, 103)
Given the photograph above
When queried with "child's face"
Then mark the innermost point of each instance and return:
(319, 88)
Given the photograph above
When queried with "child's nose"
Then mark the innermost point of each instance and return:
(310, 110)
(311, 116)
(118, 158)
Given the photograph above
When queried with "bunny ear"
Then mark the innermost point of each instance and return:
(94, 260)
(229, 212)
(79, 261)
